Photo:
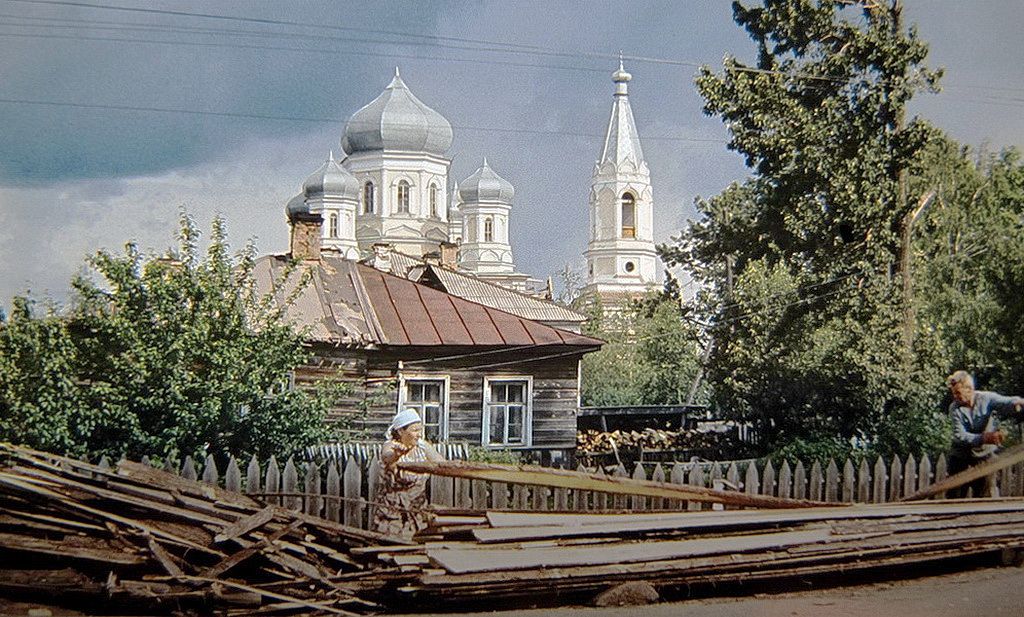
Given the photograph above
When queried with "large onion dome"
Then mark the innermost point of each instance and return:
(397, 120)
(486, 185)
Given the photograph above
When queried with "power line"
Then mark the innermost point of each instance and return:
(502, 46)
(251, 116)
(258, 20)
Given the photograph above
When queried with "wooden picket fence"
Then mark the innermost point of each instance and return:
(344, 490)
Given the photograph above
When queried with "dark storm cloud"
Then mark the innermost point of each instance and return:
(73, 180)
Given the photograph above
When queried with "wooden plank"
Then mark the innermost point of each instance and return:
(460, 561)
(529, 526)
(95, 551)
(1003, 460)
(544, 477)
(244, 525)
(238, 557)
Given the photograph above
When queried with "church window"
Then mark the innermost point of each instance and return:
(488, 229)
(628, 215)
(630, 266)
(332, 226)
(368, 198)
(402, 203)
(433, 201)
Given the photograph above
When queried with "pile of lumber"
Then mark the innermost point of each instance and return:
(134, 538)
(549, 558)
(650, 439)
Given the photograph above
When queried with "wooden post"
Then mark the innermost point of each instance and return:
(463, 497)
(619, 501)
(311, 486)
(638, 502)
(863, 481)
(785, 480)
(479, 489)
(848, 481)
(910, 475)
(520, 497)
(799, 481)
(252, 476)
(233, 476)
(580, 498)
(290, 486)
(442, 491)
(499, 495)
(815, 487)
(658, 475)
(188, 469)
(210, 474)
(751, 482)
(696, 479)
(879, 481)
(831, 481)
(373, 471)
(333, 512)
(895, 478)
(351, 488)
(924, 474)
(678, 476)
(768, 480)
(273, 481)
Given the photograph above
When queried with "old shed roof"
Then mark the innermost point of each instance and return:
(355, 304)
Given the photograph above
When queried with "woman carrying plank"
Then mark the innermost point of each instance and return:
(402, 495)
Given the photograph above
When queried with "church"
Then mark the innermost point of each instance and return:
(392, 188)
(408, 289)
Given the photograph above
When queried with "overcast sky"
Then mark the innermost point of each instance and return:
(528, 84)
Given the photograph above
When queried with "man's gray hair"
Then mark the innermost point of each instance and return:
(960, 377)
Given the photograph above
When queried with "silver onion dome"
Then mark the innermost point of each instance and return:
(486, 185)
(397, 120)
(297, 206)
(331, 179)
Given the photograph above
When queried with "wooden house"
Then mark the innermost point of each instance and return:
(473, 372)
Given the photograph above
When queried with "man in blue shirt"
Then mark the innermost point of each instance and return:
(976, 436)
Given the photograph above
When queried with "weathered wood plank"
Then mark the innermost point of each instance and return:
(543, 477)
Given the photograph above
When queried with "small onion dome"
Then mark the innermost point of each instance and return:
(397, 120)
(331, 179)
(297, 207)
(621, 76)
(486, 185)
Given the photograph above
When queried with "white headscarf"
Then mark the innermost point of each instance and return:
(402, 419)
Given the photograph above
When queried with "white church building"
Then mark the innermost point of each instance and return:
(392, 188)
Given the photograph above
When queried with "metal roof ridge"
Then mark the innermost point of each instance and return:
(364, 300)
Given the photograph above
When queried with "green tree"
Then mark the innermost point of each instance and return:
(651, 355)
(168, 357)
(800, 262)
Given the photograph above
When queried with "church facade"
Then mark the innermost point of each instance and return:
(393, 188)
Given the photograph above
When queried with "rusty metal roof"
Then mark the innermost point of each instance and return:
(469, 287)
(354, 304)
(413, 314)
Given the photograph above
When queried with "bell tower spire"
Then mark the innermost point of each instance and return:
(621, 260)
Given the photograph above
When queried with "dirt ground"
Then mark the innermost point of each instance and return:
(989, 592)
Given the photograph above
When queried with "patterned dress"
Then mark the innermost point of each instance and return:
(401, 497)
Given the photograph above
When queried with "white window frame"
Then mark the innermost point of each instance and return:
(485, 431)
(445, 396)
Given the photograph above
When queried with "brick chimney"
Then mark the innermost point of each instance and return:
(450, 255)
(382, 256)
(306, 235)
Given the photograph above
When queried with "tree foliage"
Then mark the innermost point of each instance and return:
(166, 357)
(651, 355)
(799, 263)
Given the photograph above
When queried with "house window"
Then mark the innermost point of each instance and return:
(402, 202)
(428, 396)
(368, 198)
(488, 229)
(628, 215)
(507, 411)
(433, 201)
(333, 226)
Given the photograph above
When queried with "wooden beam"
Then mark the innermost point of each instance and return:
(561, 478)
(1003, 460)
(244, 525)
